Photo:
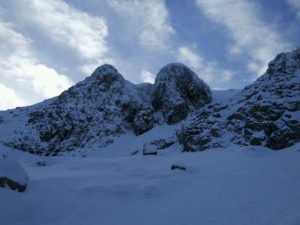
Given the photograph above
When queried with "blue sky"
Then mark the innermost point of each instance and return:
(49, 45)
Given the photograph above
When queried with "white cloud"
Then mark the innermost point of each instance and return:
(295, 5)
(70, 27)
(89, 67)
(149, 18)
(9, 99)
(190, 57)
(208, 71)
(147, 76)
(251, 36)
(23, 77)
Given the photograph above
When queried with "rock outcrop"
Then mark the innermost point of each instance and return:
(91, 113)
(101, 108)
(104, 106)
(268, 111)
(12, 175)
(265, 113)
(177, 91)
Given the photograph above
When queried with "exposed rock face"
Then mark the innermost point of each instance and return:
(204, 129)
(92, 112)
(104, 106)
(265, 113)
(268, 111)
(178, 90)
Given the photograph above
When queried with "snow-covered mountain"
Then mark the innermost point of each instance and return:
(98, 111)
(265, 113)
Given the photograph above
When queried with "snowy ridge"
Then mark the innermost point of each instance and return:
(263, 113)
(103, 108)
(95, 112)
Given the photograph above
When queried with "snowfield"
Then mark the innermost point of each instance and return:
(237, 185)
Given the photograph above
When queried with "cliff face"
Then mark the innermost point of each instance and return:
(105, 106)
(178, 90)
(265, 113)
(99, 109)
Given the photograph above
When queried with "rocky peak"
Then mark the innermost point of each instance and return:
(264, 113)
(103, 82)
(106, 73)
(270, 106)
(102, 107)
(177, 90)
(286, 63)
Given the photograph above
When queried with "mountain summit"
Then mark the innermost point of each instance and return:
(104, 107)
(178, 90)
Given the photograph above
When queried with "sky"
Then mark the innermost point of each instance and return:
(46, 46)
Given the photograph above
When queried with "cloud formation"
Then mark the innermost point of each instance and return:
(149, 19)
(24, 79)
(48, 45)
(147, 76)
(210, 72)
(70, 27)
(251, 35)
(295, 4)
(9, 99)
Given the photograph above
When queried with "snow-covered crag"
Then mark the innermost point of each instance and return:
(93, 111)
(266, 112)
(103, 107)
(269, 110)
(177, 91)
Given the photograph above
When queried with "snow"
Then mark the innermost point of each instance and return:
(106, 179)
(222, 186)
(13, 170)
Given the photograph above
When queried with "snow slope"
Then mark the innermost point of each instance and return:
(248, 185)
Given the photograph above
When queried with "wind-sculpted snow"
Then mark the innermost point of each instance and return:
(100, 109)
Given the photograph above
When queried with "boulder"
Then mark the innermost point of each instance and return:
(12, 175)
(149, 150)
(178, 167)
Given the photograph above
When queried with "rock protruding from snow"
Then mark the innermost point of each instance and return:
(91, 113)
(285, 63)
(268, 111)
(96, 111)
(12, 175)
(177, 90)
(265, 113)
